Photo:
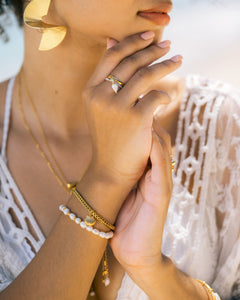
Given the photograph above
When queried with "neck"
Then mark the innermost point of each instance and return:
(56, 79)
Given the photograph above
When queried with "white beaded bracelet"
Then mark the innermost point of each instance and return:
(78, 221)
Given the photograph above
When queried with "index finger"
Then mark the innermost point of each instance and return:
(113, 56)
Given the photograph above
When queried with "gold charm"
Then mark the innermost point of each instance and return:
(53, 35)
(90, 220)
(105, 270)
(71, 186)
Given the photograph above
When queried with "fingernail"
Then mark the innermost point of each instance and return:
(147, 35)
(176, 58)
(110, 43)
(164, 44)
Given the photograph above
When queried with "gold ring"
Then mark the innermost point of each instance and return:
(173, 165)
(116, 83)
(116, 80)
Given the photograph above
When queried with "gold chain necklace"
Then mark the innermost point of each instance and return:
(62, 181)
(42, 132)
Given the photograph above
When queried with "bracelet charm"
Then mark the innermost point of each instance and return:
(90, 220)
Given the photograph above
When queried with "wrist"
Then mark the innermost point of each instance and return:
(109, 176)
(101, 192)
(98, 174)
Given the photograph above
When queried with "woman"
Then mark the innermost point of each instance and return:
(113, 142)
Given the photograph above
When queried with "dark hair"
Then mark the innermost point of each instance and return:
(16, 5)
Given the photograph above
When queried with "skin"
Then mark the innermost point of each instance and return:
(65, 119)
(62, 102)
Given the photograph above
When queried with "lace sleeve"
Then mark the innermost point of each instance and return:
(228, 197)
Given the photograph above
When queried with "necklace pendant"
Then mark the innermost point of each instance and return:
(90, 220)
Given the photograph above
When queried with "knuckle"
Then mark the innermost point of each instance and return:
(133, 39)
(133, 59)
(95, 102)
(145, 73)
(96, 98)
(166, 64)
(102, 105)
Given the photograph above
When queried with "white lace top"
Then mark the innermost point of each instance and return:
(206, 187)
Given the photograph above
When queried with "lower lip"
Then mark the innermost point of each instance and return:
(157, 18)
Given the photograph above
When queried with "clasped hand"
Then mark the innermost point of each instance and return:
(119, 119)
(140, 223)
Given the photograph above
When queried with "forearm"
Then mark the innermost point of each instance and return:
(168, 283)
(65, 266)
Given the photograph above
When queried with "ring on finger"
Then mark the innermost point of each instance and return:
(116, 83)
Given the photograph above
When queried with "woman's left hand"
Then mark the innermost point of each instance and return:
(140, 222)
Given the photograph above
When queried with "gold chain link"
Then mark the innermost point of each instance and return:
(91, 210)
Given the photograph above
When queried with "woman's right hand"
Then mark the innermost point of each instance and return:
(120, 127)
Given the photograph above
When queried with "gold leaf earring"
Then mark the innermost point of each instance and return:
(52, 35)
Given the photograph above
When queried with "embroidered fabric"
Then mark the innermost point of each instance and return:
(202, 230)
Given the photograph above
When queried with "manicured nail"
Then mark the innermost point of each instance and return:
(164, 44)
(147, 35)
(110, 43)
(176, 58)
